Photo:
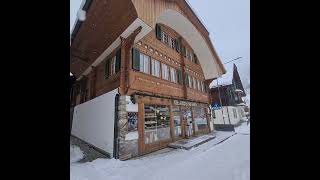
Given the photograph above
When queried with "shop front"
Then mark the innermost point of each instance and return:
(163, 120)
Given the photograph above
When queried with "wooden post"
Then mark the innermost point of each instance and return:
(208, 118)
(183, 66)
(94, 83)
(193, 123)
(141, 146)
(172, 124)
(126, 45)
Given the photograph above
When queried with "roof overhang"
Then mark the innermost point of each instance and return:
(133, 26)
(209, 61)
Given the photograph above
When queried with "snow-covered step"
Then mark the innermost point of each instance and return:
(193, 142)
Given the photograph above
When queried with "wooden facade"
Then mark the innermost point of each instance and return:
(145, 89)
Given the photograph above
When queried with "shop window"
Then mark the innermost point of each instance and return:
(200, 118)
(157, 123)
(176, 121)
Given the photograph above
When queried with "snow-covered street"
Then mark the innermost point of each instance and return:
(229, 160)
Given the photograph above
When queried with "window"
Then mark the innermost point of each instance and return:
(113, 66)
(187, 53)
(173, 73)
(156, 123)
(144, 63)
(191, 56)
(173, 44)
(170, 41)
(165, 72)
(235, 113)
(199, 85)
(202, 86)
(194, 83)
(132, 121)
(155, 68)
(190, 81)
(200, 118)
(165, 37)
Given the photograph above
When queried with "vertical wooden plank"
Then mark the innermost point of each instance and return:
(193, 123)
(171, 124)
(141, 146)
(208, 118)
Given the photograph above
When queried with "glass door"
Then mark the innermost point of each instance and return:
(187, 118)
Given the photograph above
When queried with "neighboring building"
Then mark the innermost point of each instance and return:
(143, 70)
(228, 92)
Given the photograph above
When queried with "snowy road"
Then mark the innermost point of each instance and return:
(229, 160)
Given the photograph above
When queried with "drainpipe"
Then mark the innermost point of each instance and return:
(116, 134)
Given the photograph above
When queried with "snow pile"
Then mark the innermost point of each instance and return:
(206, 162)
(75, 154)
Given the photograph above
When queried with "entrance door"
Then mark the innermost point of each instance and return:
(187, 121)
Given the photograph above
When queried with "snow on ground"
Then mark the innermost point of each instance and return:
(75, 154)
(229, 160)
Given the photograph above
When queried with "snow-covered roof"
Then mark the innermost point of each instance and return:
(225, 79)
(241, 104)
(238, 90)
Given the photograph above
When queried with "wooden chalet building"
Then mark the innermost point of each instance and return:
(143, 70)
(230, 89)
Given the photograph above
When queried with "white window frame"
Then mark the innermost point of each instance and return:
(113, 66)
(173, 73)
(194, 83)
(165, 72)
(155, 68)
(190, 81)
(146, 64)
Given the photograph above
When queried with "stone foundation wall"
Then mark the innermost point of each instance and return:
(127, 148)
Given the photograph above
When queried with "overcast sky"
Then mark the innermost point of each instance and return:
(228, 22)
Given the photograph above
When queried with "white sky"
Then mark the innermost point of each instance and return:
(74, 7)
(228, 22)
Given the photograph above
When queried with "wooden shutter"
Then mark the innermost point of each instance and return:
(135, 59)
(107, 69)
(118, 61)
(158, 31)
(195, 59)
(187, 80)
(179, 74)
(178, 43)
(183, 51)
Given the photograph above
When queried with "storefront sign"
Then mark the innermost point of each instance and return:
(184, 103)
